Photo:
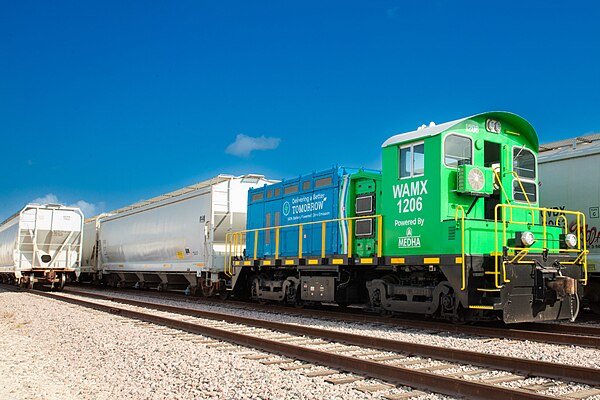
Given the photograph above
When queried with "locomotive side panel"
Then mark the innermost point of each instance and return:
(304, 200)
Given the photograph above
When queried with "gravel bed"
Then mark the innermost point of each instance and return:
(53, 350)
(562, 354)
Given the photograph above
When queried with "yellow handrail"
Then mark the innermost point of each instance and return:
(566, 225)
(237, 238)
(581, 244)
(462, 252)
(513, 173)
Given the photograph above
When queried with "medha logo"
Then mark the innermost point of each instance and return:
(409, 240)
(286, 208)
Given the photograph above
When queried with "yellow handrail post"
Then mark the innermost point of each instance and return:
(255, 244)
(277, 242)
(496, 269)
(323, 236)
(300, 234)
(585, 271)
(545, 233)
(566, 223)
(350, 238)
(225, 271)
(379, 235)
(462, 253)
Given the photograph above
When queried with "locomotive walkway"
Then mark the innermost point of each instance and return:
(392, 361)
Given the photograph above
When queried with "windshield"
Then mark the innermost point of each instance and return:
(524, 163)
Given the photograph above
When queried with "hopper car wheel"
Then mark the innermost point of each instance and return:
(207, 290)
(61, 284)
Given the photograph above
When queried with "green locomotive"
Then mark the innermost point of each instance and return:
(450, 228)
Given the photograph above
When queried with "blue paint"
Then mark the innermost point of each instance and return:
(302, 200)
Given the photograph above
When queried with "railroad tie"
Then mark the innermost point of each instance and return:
(504, 378)
(375, 387)
(436, 368)
(582, 394)
(343, 379)
(295, 367)
(257, 356)
(276, 362)
(477, 371)
(320, 372)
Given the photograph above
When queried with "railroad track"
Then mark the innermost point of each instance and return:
(423, 367)
(563, 334)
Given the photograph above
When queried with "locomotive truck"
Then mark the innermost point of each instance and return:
(450, 228)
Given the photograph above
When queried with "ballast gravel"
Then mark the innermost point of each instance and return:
(561, 354)
(53, 350)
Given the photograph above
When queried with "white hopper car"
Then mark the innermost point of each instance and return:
(570, 179)
(41, 244)
(175, 241)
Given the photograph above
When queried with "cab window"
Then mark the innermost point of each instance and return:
(524, 163)
(411, 160)
(457, 150)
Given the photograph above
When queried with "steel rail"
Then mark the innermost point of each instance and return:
(570, 335)
(517, 365)
(389, 373)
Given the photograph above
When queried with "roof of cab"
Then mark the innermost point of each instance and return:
(525, 129)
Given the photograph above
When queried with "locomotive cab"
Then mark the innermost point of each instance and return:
(462, 215)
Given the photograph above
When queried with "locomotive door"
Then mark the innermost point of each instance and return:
(492, 154)
(364, 232)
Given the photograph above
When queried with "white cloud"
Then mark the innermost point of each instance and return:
(88, 209)
(50, 198)
(244, 145)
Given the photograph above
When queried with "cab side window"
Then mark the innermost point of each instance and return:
(411, 160)
(524, 163)
(457, 150)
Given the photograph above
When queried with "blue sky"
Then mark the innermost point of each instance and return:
(107, 103)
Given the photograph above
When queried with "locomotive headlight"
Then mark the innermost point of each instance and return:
(570, 240)
(527, 238)
(491, 125)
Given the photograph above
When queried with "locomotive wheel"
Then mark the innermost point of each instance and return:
(208, 291)
(224, 294)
